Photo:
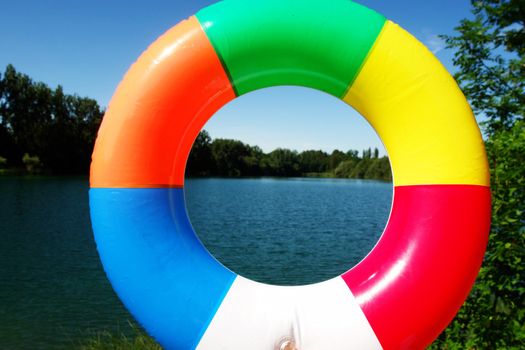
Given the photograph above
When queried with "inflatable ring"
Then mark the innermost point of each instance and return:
(408, 288)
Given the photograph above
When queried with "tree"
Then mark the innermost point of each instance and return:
(489, 52)
(489, 55)
(352, 154)
(200, 160)
(229, 157)
(344, 169)
(335, 159)
(24, 108)
(378, 168)
(8, 147)
(367, 153)
(57, 128)
(254, 162)
(283, 162)
(493, 317)
(359, 171)
(313, 161)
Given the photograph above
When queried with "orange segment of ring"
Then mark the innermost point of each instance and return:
(166, 97)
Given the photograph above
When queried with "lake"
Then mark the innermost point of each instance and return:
(53, 291)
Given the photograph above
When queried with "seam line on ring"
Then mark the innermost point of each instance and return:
(138, 186)
(221, 59)
(369, 53)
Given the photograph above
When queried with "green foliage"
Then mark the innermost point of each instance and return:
(232, 158)
(335, 158)
(489, 55)
(379, 168)
(32, 163)
(283, 162)
(3, 162)
(313, 161)
(200, 158)
(59, 129)
(229, 156)
(365, 168)
(504, 270)
(119, 341)
(367, 153)
(345, 168)
(493, 316)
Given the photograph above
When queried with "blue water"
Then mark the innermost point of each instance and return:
(299, 230)
(53, 291)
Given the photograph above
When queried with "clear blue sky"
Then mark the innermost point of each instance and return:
(87, 46)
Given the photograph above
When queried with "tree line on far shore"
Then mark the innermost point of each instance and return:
(44, 130)
(233, 158)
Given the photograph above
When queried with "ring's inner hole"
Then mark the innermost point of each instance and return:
(288, 186)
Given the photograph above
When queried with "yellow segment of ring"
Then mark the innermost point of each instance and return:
(419, 113)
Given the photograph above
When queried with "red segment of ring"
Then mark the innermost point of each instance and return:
(412, 283)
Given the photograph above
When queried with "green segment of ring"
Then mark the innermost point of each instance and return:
(313, 43)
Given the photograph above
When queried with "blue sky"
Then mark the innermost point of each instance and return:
(87, 46)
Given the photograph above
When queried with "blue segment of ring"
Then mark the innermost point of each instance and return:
(156, 263)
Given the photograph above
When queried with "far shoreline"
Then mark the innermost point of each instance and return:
(22, 173)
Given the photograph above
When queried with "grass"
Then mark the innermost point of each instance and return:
(105, 340)
(320, 175)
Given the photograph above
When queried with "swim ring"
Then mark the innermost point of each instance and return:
(409, 287)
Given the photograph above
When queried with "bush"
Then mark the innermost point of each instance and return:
(344, 168)
(32, 163)
(493, 317)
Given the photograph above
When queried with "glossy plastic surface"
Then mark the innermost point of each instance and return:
(412, 283)
(158, 110)
(419, 113)
(317, 44)
(156, 263)
(318, 316)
